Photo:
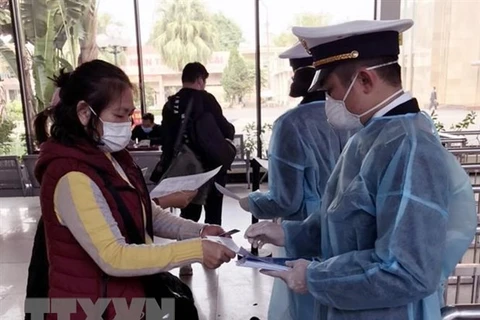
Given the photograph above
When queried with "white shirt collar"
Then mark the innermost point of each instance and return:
(392, 105)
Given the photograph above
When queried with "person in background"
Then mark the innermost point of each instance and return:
(304, 149)
(194, 79)
(433, 99)
(398, 212)
(148, 130)
(93, 198)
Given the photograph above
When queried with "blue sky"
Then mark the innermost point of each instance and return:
(280, 13)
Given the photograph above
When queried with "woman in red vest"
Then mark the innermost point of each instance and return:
(99, 220)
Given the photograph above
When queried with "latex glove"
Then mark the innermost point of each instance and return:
(295, 278)
(211, 230)
(244, 204)
(264, 232)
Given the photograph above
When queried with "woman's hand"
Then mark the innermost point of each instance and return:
(212, 230)
(215, 254)
(176, 200)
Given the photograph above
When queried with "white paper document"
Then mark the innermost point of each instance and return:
(183, 183)
(144, 143)
(249, 260)
(227, 192)
(227, 242)
(263, 163)
(257, 264)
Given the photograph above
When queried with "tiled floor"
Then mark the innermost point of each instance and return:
(229, 292)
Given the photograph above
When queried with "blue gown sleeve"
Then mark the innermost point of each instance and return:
(286, 164)
(302, 238)
(405, 263)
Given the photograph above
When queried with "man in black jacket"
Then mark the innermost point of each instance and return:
(148, 130)
(194, 78)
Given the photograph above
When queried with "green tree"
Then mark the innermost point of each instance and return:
(62, 34)
(287, 39)
(105, 20)
(109, 30)
(238, 78)
(150, 95)
(6, 130)
(14, 110)
(250, 131)
(229, 33)
(184, 33)
(464, 124)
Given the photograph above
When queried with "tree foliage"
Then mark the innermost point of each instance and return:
(6, 130)
(150, 95)
(287, 39)
(250, 130)
(238, 78)
(464, 124)
(184, 33)
(110, 32)
(62, 33)
(105, 20)
(229, 34)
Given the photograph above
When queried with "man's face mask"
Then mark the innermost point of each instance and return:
(339, 116)
(147, 129)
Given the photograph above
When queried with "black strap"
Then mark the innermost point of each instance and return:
(130, 226)
(148, 209)
(183, 127)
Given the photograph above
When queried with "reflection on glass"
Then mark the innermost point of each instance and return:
(11, 114)
(276, 36)
(440, 57)
(58, 34)
(220, 34)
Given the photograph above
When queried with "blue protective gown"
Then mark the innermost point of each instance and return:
(303, 151)
(397, 215)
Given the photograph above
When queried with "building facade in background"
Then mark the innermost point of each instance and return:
(441, 51)
(165, 81)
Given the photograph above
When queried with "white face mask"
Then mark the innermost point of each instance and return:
(116, 135)
(339, 116)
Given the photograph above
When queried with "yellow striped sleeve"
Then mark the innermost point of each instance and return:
(83, 209)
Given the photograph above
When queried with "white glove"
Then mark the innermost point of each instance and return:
(264, 232)
(244, 204)
(295, 278)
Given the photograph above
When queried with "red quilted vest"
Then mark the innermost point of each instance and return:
(72, 273)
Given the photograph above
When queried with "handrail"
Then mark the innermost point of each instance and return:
(463, 133)
(470, 150)
(453, 140)
(470, 311)
(471, 166)
(445, 135)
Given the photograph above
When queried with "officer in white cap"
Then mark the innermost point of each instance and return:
(303, 151)
(398, 211)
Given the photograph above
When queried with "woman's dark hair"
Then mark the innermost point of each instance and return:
(96, 82)
(302, 79)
